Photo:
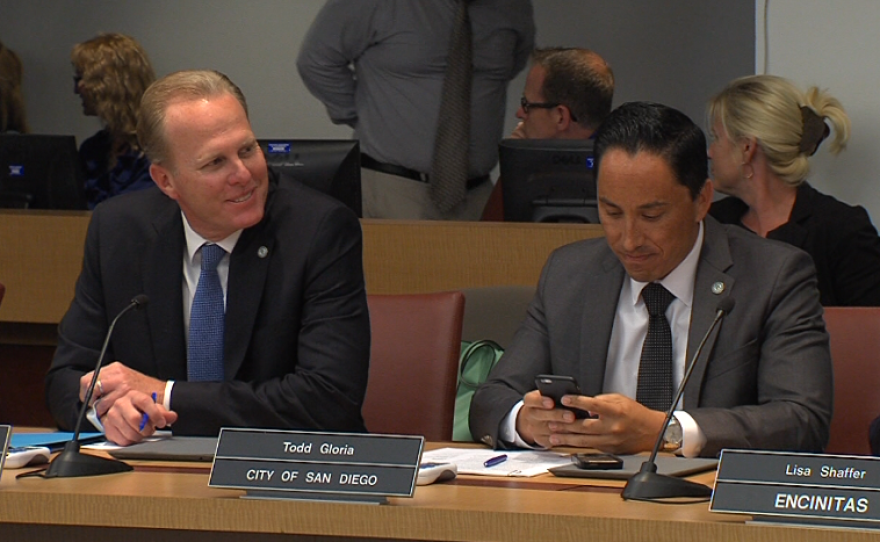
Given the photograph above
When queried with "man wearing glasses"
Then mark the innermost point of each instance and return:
(567, 95)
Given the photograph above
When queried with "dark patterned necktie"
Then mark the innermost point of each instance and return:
(206, 321)
(655, 368)
(449, 169)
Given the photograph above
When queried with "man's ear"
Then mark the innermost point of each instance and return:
(563, 118)
(704, 199)
(164, 180)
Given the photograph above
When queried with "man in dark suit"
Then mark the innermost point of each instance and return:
(294, 338)
(763, 379)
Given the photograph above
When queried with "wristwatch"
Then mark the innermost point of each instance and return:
(672, 437)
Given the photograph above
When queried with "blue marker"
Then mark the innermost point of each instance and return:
(497, 460)
(146, 418)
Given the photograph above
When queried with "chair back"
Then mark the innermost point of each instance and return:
(416, 342)
(2, 291)
(495, 312)
(855, 353)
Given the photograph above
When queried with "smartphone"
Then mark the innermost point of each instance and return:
(555, 386)
(597, 461)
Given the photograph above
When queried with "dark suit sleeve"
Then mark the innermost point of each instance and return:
(80, 335)
(774, 389)
(305, 374)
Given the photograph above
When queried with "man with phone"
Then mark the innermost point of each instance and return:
(624, 315)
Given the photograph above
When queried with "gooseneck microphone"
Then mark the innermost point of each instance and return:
(647, 484)
(70, 462)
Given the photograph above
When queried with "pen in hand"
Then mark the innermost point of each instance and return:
(146, 417)
(497, 460)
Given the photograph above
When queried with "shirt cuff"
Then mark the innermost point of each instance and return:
(166, 397)
(692, 438)
(508, 432)
(92, 416)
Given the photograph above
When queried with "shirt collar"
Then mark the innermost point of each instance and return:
(194, 241)
(680, 281)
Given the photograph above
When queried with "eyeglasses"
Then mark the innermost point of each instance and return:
(526, 105)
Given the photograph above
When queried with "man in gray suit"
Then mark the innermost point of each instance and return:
(763, 379)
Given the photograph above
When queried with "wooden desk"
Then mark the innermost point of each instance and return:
(132, 506)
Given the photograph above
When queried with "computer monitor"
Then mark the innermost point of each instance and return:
(40, 172)
(548, 180)
(332, 166)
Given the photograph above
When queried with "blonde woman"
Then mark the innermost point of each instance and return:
(763, 132)
(111, 73)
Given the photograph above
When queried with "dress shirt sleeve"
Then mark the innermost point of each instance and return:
(692, 437)
(340, 33)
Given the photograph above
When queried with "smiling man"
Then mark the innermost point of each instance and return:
(764, 378)
(257, 313)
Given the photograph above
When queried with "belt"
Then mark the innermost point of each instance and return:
(400, 171)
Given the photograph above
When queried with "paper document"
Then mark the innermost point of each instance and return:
(518, 462)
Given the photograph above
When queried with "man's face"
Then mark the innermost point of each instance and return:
(650, 220)
(537, 123)
(215, 171)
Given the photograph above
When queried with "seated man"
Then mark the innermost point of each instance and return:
(272, 331)
(763, 379)
(567, 95)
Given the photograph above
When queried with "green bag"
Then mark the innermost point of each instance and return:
(476, 360)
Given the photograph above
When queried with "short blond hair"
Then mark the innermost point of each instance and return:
(768, 108)
(175, 87)
(115, 71)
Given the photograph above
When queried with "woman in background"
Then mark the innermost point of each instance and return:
(12, 113)
(112, 71)
(763, 132)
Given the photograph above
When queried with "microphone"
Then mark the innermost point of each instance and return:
(70, 462)
(647, 484)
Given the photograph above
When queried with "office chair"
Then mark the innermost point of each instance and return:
(416, 341)
(855, 342)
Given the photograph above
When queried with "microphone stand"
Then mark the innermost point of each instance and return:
(71, 462)
(648, 484)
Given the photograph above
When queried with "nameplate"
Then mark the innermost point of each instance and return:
(814, 488)
(317, 466)
(5, 437)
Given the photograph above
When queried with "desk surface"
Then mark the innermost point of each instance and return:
(175, 497)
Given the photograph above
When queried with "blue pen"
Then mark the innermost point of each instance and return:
(497, 460)
(146, 418)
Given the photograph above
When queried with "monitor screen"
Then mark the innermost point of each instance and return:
(548, 180)
(332, 166)
(40, 172)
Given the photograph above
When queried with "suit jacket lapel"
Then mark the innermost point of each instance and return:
(715, 259)
(603, 292)
(248, 266)
(163, 284)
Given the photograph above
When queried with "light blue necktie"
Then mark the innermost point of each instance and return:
(205, 349)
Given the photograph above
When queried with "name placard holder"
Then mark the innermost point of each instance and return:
(836, 490)
(349, 467)
(5, 437)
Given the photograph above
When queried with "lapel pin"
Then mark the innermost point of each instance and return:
(262, 252)
(718, 288)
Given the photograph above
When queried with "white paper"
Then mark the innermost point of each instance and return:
(518, 463)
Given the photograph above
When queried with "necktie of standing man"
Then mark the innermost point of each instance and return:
(655, 369)
(206, 321)
(449, 169)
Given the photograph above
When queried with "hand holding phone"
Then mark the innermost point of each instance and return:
(555, 386)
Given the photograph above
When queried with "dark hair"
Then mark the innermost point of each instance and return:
(580, 79)
(659, 130)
